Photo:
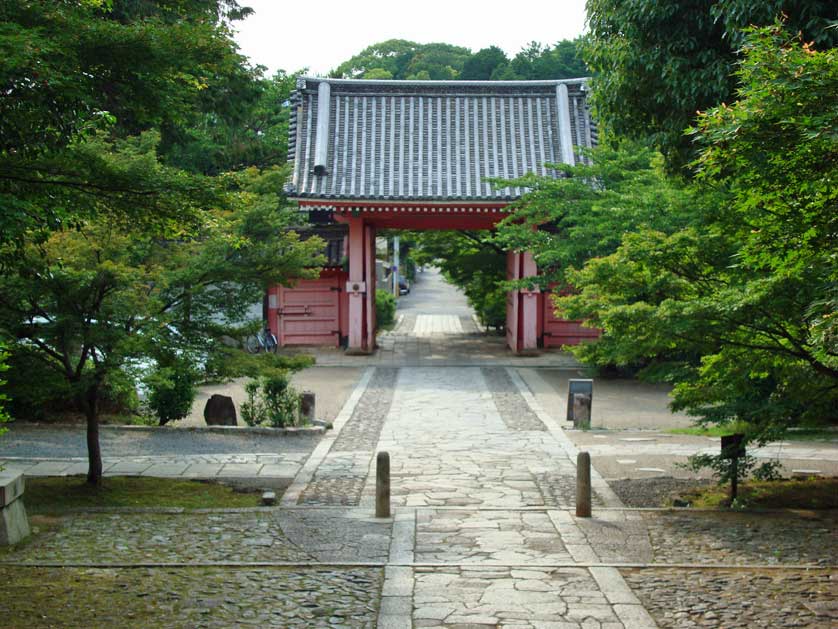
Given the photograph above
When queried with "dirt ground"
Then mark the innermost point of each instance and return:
(331, 386)
(617, 404)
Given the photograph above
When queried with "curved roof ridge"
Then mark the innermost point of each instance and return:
(432, 83)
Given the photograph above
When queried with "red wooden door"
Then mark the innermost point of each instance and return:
(558, 332)
(309, 313)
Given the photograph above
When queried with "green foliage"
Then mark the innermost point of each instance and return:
(724, 286)
(656, 62)
(253, 408)
(224, 362)
(171, 389)
(726, 472)
(400, 59)
(536, 61)
(483, 64)
(4, 366)
(566, 221)
(385, 308)
(71, 71)
(271, 401)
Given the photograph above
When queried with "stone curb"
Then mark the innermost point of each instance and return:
(292, 431)
(382, 564)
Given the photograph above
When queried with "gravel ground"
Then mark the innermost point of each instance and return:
(733, 537)
(728, 599)
(652, 492)
(331, 386)
(26, 440)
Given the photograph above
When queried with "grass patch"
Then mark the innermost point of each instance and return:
(795, 434)
(808, 493)
(56, 495)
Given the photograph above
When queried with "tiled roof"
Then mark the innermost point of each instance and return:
(431, 140)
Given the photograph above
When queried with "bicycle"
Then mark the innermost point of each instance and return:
(262, 341)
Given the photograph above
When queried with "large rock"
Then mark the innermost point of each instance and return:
(14, 525)
(220, 411)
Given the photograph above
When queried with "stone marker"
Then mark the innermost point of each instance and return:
(580, 394)
(220, 411)
(382, 485)
(268, 498)
(307, 415)
(583, 485)
(14, 525)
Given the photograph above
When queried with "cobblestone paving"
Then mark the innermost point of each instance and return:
(155, 537)
(338, 535)
(362, 430)
(340, 478)
(488, 538)
(744, 538)
(728, 599)
(566, 598)
(559, 489)
(190, 597)
(514, 411)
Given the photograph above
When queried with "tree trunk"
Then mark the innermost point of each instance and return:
(94, 452)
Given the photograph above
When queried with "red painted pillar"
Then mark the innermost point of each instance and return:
(369, 279)
(273, 310)
(513, 260)
(529, 307)
(356, 287)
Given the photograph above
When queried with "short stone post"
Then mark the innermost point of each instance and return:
(14, 526)
(307, 400)
(583, 485)
(382, 485)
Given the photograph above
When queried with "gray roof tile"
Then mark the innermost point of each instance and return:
(432, 140)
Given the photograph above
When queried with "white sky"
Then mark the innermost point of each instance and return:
(321, 35)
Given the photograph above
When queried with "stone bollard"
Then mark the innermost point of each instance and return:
(14, 526)
(583, 485)
(382, 485)
(307, 415)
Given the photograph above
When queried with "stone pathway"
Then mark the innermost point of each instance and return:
(483, 535)
(474, 464)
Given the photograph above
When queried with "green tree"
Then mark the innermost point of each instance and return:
(69, 69)
(656, 62)
(401, 59)
(255, 133)
(92, 301)
(537, 61)
(737, 308)
(483, 64)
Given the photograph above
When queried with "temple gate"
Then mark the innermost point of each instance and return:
(417, 155)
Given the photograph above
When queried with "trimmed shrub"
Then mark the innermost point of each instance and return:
(171, 390)
(385, 308)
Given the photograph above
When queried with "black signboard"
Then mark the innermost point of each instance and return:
(733, 446)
